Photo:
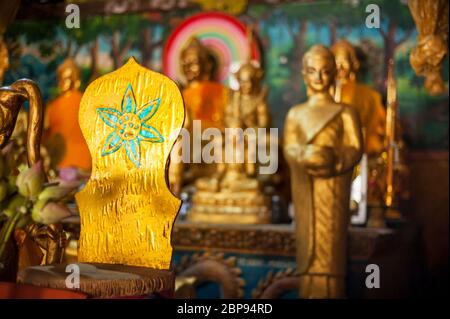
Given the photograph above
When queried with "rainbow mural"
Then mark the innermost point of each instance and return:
(224, 35)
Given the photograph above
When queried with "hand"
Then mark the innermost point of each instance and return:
(318, 160)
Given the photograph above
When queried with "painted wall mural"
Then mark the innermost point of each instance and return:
(284, 31)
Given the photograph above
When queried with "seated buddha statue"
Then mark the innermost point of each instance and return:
(63, 134)
(205, 100)
(366, 101)
(233, 194)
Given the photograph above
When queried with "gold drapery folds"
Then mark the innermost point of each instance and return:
(431, 19)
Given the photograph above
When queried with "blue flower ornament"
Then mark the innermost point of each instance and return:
(130, 126)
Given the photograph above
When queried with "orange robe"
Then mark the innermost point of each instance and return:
(206, 101)
(62, 119)
(372, 113)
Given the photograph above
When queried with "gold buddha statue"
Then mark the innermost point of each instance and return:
(322, 144)
(366, 101)
(233, 194)
(63, 134)
(248, 108)
(205, 98)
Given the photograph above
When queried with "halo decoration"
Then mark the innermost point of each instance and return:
(223, 34)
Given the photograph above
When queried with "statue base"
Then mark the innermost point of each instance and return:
(226, 207)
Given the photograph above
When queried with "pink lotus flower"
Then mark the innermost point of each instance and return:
(50, 213)
(57, 192)
(31, 181)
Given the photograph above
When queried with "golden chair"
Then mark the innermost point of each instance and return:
(130, 119)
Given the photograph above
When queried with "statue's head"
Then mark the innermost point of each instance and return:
(347, 63)
(319, 69)
(196, 61)
(249, 77)
(4, 59)
(68, 76)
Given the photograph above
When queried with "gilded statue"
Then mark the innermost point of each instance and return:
(431, 19)
(322, 144)
(63, 135)
(366, 101)
(248, 106)
(205, 98)
(233, 194)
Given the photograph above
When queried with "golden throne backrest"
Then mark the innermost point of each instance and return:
(130, 119)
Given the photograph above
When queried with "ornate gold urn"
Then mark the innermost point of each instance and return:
(11, 100)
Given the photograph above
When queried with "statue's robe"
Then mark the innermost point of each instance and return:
(206, 101)
(321, 203)
(368, 103)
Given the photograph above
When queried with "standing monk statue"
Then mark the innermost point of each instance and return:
(366, 101)
(64, 137)
(322, 144)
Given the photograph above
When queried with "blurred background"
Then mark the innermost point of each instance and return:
(111, 31)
